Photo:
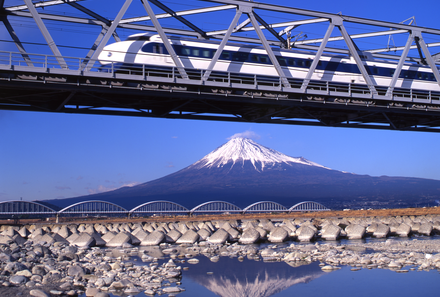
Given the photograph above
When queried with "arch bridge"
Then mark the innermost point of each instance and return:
(10, 209)
(55, 66)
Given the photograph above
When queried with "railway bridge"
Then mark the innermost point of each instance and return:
(59, 71)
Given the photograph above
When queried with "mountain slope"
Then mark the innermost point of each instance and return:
(243, 172)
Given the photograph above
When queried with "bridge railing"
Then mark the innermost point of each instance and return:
(41, 63)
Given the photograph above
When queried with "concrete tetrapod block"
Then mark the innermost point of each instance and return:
(266, 225)
(278, 234)
(90, 229)
(425, 229)
(403, 230)
(289, 224)
(154, 238)
(189, 236)
(108, 236)
(226, 226)
(182, 228)
(72, 238)
(249, 236)
(84, 240)
(220, 236)
(24, 232)
(331, 232)
(98, 239)
(263, 233)
(140, 234)
(372, 228)
(204, 233)
(172, 236)
(355, 231)
(64, 231)
(234, 234)
(381, 231)
(119, 240)
(415, 227)
(305, 233)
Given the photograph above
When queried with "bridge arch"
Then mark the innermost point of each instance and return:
(308, 206)
(160, 207)
(216, 207)
(93, 207)
(265, 206)
(18, 207)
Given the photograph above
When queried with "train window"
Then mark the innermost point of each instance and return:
(237, 56)
(207, 53)
(282, 61)
(226, 56)
(157, 49)
(186, 51)
(148, 48)
(264, 59)
(196, 52)
(253, 58)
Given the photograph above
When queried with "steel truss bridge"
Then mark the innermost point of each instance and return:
(28, 209)
(51, 81)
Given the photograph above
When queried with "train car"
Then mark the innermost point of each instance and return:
(149, 49)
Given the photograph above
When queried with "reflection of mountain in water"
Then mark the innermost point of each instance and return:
(232, 278)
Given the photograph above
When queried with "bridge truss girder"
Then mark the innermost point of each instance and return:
(249, 8)
(88, 95)
(301, 107)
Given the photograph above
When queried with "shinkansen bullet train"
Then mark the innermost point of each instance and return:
(249, 60)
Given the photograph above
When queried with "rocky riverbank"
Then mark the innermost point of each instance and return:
(72, 260)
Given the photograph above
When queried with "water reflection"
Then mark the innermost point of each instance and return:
(231, 278)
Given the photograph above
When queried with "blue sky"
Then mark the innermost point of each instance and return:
(48, 155)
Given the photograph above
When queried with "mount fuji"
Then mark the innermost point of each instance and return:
(243, 172)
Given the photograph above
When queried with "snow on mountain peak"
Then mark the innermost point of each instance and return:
(238, 150)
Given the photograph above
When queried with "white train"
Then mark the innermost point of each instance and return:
(245, 59)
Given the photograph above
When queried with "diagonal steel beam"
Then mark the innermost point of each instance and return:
(400, 65)
(266, 45)
(94, 47)
(106, 23)
(46, 34)
(65, 101)
(389, 121)
(221, 46)
(165, 40)
(180, 18)
(40, 4)
(338, 22)
(110, 31)
(270, 29)
(17, 41)
(317, 57)
(428, 56)
(419, 50)
(243, 24)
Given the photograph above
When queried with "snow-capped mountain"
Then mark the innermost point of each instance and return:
(244, 172)
(238, 151)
